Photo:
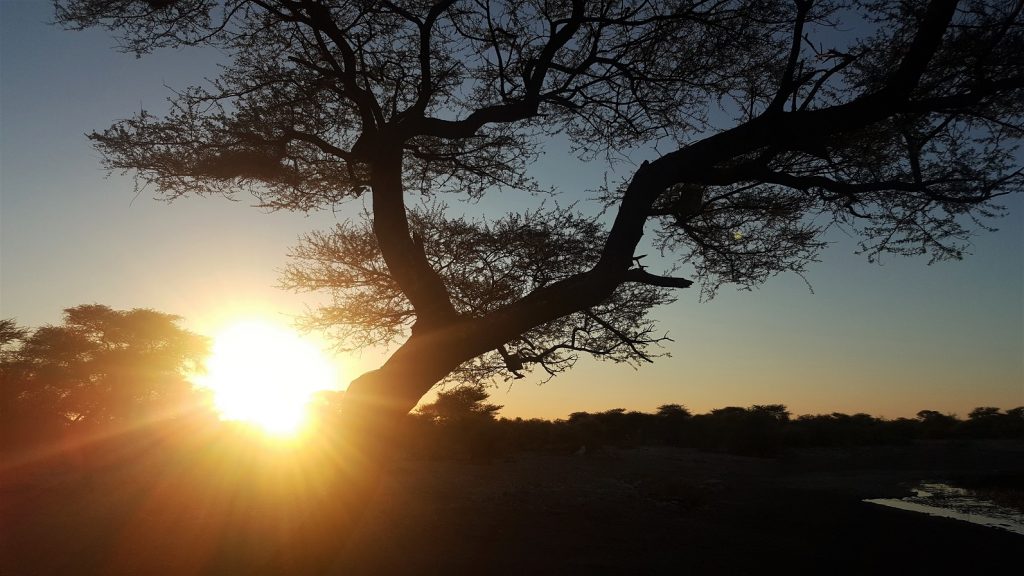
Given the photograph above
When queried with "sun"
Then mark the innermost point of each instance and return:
(264, 374)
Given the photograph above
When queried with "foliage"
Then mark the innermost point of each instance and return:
(10, 333)
(459, 421)
(773, 122)
(486, 266)
(460, 404)
(755, 431)
(100, 367)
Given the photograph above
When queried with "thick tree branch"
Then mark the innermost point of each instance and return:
(927, 40)
(320, 143)
(788, 83)
(405, 255)
(467, 127)
(645, 277)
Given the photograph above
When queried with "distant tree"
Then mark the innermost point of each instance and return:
(10, 337)
(991, 422)
(774, 122)
(777, 412)
(1015, 422)
(586, 430)
(533, 434)
(673, 411)
(839, 429)
(936, 424)
(460, 404)
(621, 426)
(984, 412)
(727, 412)
(10, 333)
(672, 423)
(757, 430)
(460, 423)
(100, 366)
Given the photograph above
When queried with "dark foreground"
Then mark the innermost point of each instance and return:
(616, 511)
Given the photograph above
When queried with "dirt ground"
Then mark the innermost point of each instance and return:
(672, 511)
(613, 511)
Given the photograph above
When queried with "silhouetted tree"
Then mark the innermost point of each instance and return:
(758, 430)
(984, 412)
(101, 366)
(532, 434)
(774, 128)
(775, 412)
(761, 430)
(1015, 422)
(468, 402)
(839, 429)
(672, 423)
(10, 334)
(936, 424)
(465, 422)
(991, 422)
(673, 411)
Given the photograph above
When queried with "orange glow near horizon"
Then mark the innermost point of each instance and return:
(264, 374)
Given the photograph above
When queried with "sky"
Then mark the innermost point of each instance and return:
(889, 339)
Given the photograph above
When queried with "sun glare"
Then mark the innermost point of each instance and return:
(265, 375)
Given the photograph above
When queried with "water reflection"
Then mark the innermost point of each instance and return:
(946, 501)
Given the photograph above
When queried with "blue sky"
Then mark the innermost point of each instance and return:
(886, 339)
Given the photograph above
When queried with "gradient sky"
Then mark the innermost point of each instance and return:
(886, 339)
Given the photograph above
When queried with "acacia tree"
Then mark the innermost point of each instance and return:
(462, 403)
(100, 367)
(777, 120)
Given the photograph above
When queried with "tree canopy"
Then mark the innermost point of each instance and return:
(774, 123)
(463, 403)
(100, 367)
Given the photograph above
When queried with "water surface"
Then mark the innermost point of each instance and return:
(946, 501)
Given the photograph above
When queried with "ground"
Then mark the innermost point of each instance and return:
(654, 510)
